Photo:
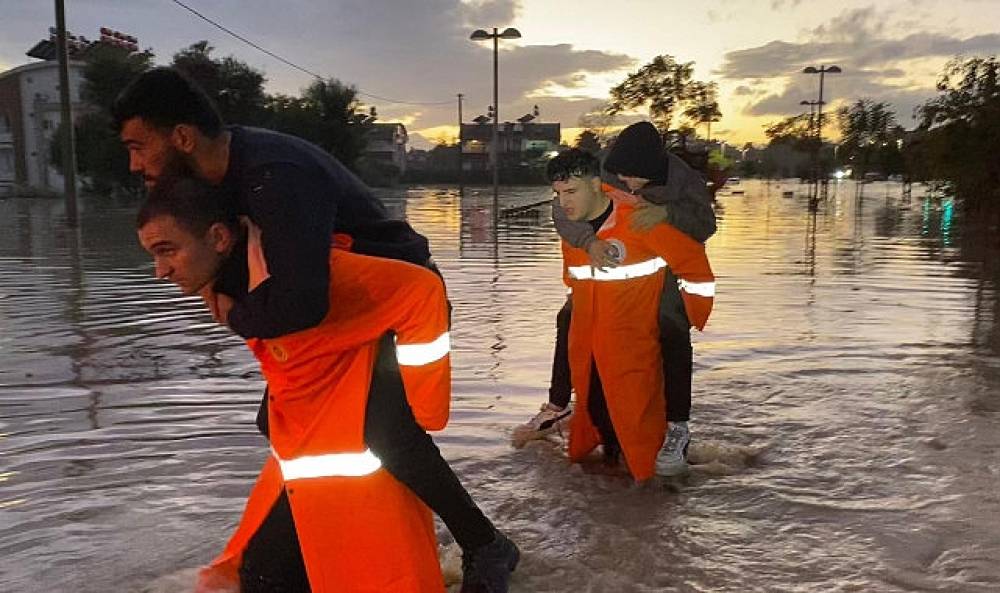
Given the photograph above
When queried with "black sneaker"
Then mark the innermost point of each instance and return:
(487, 568)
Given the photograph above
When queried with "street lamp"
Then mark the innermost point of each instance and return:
(481, 35)
(822, 71)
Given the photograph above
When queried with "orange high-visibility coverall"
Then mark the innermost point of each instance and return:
(359, 529)
(615, 324)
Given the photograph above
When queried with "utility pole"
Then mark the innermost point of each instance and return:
(496, 129)
(461, 171)
(69, 135)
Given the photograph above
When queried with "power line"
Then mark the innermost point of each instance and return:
(292, 64)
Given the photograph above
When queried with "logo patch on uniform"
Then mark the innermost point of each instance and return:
(616, 249)
(279, 353)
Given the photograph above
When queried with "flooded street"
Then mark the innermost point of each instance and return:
(846, 417)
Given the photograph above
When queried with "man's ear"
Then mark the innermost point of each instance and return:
(184, 138)
(595, 183)
(221, 238)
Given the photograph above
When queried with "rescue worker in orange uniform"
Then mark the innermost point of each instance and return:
(356, 528)
(614, 348)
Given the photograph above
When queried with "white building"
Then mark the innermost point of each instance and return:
(29, 116)
(387, 145)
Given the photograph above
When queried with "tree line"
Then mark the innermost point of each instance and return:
(327, 112)
(954, 143)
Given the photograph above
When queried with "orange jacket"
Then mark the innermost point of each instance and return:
(360, 530)
(615, 324)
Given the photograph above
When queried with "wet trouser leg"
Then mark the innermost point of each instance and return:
(597, 407)
(411, 456)
(675, 348)
(676, 354)
(272, 561)
(560, 387)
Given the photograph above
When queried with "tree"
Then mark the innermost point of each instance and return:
(107, 70)
(959, 132)
(343, 124)
(865, 129)
(589, 142)
(237, 88)
(795, 131)
(703, 107)
(102, 161)
(662, 86)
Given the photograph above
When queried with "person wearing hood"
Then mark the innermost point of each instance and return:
(668, 190)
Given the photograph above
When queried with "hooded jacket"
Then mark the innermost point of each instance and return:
(685, 196)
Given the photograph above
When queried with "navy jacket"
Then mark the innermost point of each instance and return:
(299, 196)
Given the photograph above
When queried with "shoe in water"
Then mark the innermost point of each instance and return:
(673, 459)
(550, 419)
(487, 569)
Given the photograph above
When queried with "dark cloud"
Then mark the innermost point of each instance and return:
(837, 88)
(414, 51)
(857, 41)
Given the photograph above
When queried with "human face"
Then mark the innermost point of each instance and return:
(633, 183)
(580, 197)
(152, 152)
(182, 257)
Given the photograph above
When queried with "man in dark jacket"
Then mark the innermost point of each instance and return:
(300, 196)
(673, 192)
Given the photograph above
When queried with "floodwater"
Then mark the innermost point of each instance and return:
(846, 410)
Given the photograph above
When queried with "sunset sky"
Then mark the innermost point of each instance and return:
(571, 52)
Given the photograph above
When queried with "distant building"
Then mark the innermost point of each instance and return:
(29, 115)
(518, 142)
(30, 111)
(387, 145)
(418, 159)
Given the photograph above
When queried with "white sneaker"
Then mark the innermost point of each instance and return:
(673, 459)
(550, 419)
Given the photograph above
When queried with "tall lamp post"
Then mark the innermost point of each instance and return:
(822, 71)
(481, 35)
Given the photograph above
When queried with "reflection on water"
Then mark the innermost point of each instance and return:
(845, 417)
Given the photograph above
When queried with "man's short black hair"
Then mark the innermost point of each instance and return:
(572, 163)
(193, 203)
(164, 97)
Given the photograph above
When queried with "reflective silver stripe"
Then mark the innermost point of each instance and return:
(705, 289)
(331, 464)
(645, 268)
(420, 354)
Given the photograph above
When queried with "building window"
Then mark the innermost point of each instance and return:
(6, 163)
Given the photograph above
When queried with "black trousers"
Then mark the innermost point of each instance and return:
(272, 561)
(597, 407)
(410, 455)
(676, 351)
